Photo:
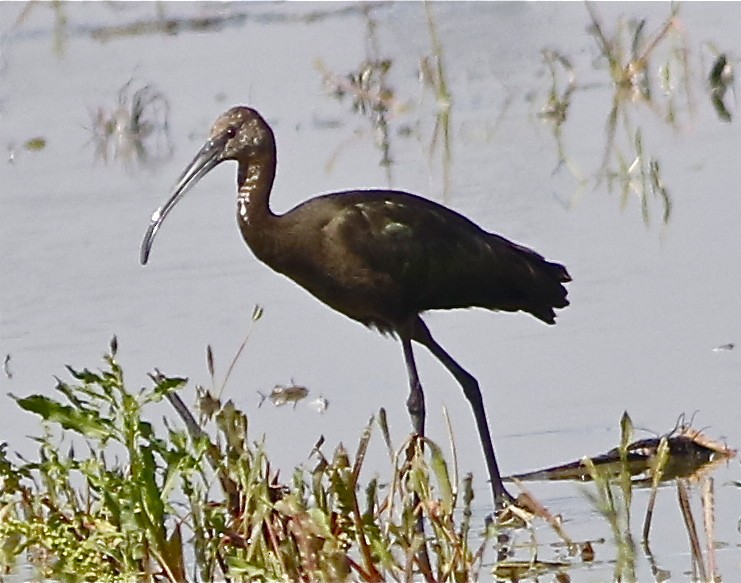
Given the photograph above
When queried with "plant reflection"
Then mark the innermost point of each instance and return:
(630, 54)
(433, 77)
(60, 21)
(154, 18)
(689, 455)
(557, 105)
(136, 130)
(637, 171)
(370, 94)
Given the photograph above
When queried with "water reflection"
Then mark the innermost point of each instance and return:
(136, 130)
(164, 20)
(60, 27)
(684, 456)
(688, 454)
(370, 94)
(557, 105)
(633, 60)
(432, 73)
(77, 301)
(703, 564)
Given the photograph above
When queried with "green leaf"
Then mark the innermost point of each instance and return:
(167, 385)
(626, 433)
(151, 498)
(440, 469)
(87, 423)
(85, 375)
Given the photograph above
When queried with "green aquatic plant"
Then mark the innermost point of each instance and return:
(612, 497)
(113, 496)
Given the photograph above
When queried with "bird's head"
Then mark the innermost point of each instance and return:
(239, 134)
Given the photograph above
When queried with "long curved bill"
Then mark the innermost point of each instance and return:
(207, 158)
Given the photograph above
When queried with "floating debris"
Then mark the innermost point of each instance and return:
(720, 80)
(35, 144)
(208, 404)
(516, 570)
(282, 394)
(724, 347)
(32, 145)
(6, 367)
(691, 454)
(319, 404)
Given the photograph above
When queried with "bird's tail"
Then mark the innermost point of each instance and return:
(547, 292)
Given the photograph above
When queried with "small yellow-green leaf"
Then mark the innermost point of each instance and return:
(35, 144)
(626, 432)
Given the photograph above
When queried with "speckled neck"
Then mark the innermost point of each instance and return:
(254, 183)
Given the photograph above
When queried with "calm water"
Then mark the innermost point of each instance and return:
(649, 301)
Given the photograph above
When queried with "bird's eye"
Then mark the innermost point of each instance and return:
(231, 132)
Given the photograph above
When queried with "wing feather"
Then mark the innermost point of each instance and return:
(438, 259)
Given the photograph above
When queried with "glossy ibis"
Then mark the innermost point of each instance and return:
(381, 257)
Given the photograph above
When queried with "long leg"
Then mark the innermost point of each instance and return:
(416, 400)
(470, 386)
(416, 408)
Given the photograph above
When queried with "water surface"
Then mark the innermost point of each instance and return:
(649, 300)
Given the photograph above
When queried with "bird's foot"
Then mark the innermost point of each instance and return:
(518, 512)
(503, 499)
(508, 511)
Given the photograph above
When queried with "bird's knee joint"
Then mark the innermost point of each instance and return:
(416, 403)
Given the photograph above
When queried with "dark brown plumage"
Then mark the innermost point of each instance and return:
(380, 257)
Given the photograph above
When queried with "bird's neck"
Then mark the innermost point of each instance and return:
(254, 183)
(256, 220)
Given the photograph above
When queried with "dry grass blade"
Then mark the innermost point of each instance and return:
(370, 568)
(531, 504)
(257, 313)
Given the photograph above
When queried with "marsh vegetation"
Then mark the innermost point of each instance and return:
(183, 481)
